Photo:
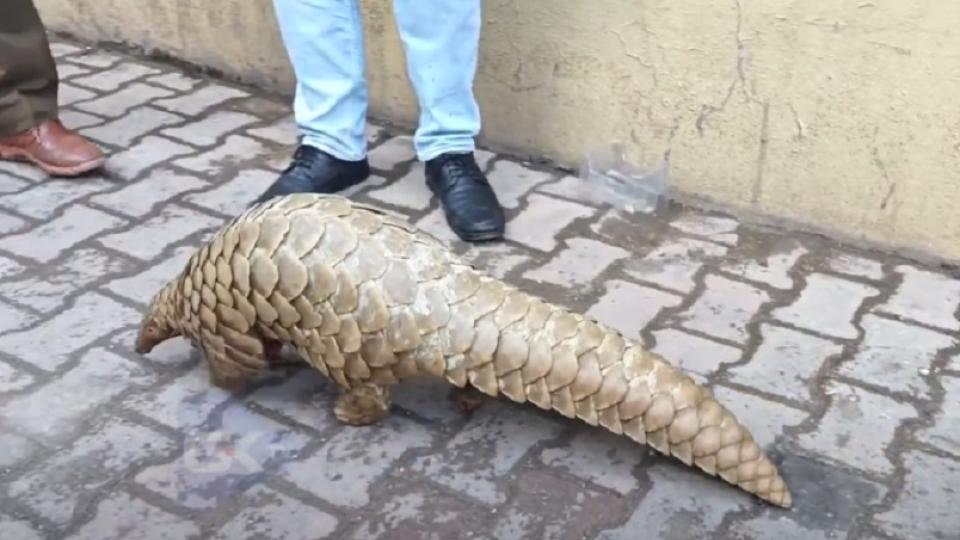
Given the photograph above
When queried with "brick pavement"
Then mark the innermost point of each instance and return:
(845, 363)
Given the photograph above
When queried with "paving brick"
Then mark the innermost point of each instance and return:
(184, 404)
(123, 517)
(674, 263)
(13, 379)
(785, 363)
(13, 318)
(48, 241)
(67, 71)
(392, 152)
(945, 431)
(9, 267)
(43, 200)
(232, 197)
(896, 356)
(479, 459)
(827, 305)
(557, 508)
(374, 132)
(11, 184)
(765, 419)
(683, 503)
(57, 410)
(142, 287)
(629, 307)
(774, 270)
(218, 462)
(70, 479)
(428, 398)
(435, 223)
(16, 450)
(59, 49)
(307, 398)
(852, 265)
(693, 354)
(599, 457)
(569, 187)
(17, 529)
(131, 126)
(9, 225)
(210, 128)
(543, 219)
(171, 353)
(150, 151)
(926, 297)
(117, 104)
(414, 509)
(142, 197)
(781, 528)
(512, 181)
(857, 428)
(77, 120)
(52, 343)
(484, 158)
(283, 131)
(410, 191)
(497, 259)
(174, 223)
(717, 228)
(927, 506)
(44, 289)
(69, 95)
(578, 263)
(96, 59)
(344, 469)
(174, 81)
(235, 150)
(724, 309)
(112, 79)
(268, 514)
(199, 100)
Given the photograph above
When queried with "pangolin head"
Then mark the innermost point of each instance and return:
(158, 324)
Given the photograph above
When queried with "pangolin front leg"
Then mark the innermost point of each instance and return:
(362, 404)
(231, 362)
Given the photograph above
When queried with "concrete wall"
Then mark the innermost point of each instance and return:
(841, 116)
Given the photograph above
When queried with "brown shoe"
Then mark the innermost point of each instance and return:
(54, 148)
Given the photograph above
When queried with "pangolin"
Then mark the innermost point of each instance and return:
(369, 300)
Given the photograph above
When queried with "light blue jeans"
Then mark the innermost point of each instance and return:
(324, 40)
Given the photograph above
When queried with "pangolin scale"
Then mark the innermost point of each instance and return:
(370, 301)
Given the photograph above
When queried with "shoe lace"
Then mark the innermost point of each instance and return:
(303, 156)
(462, 168)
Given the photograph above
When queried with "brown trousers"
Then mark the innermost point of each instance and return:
(28, 74)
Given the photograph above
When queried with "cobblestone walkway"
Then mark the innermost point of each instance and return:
(845, 364)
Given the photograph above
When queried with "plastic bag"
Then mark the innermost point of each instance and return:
(608, 178)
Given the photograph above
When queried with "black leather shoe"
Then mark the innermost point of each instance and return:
(469, 203)
(315, 171)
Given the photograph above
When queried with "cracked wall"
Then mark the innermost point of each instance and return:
(839, 116)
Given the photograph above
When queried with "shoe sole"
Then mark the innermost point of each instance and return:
(18, 154)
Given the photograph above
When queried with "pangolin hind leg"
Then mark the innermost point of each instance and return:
(468, 398)
(362, 404)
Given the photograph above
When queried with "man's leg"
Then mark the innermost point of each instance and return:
(324, 41)
(29, 129)
(441, 39)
